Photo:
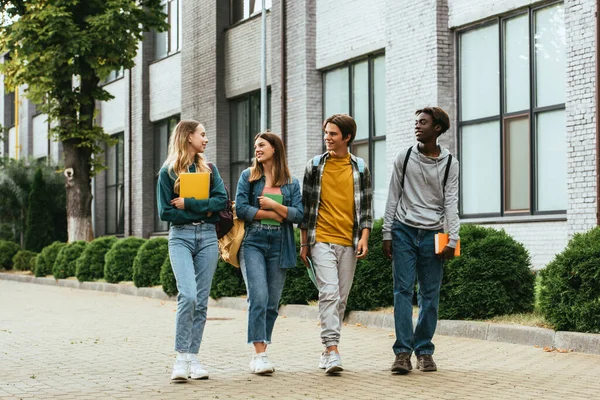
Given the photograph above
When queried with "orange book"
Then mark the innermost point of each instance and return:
(194, 184)
(441, 240)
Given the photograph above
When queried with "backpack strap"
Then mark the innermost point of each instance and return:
(361, 165)
(406, 158)
(447, 172)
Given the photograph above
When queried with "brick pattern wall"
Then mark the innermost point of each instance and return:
(112, 116)
(464, 12)
(165, 87)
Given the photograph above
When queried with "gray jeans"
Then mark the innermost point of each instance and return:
(334, 270)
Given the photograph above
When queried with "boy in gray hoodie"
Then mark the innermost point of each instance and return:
(423, 196)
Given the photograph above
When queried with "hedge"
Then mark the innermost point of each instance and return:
(492, 277)
(7, 252)
(227, 281)
(167, 278)
(90, 265)
(65, 264)
(22, 260)
(46, 258)
(118, 262)
(148, 262)
(570, 285)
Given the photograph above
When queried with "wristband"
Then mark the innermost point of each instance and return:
(304, 245)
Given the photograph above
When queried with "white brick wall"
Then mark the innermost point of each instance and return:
(463, 12)
(165, 87)
(112, 112)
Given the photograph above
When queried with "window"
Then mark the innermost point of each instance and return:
(358, 89)
(245, 124)
(169, 42)
(114, 75)
(243, 9)
(512, 130)
(115, 210)
(162, 133)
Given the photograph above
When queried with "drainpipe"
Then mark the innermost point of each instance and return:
(597, 116)
(283, 70)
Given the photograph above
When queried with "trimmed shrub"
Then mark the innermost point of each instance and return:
(167, 278)
(65, 264)
(373, 285)
(7, 252)
(227, 281)
(22, 260)
(33, 261)
(39, 230)
(298, 288)
(570, 286)
(118, 262)
(47, 257)
(148, 262)
(492, 277)
(90, 265)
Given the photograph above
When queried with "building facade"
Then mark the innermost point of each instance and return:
(517, 78)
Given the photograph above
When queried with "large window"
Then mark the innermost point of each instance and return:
(169, 42)
(243, 9)
(358, 88)
(115, 210)
(512, 128)
(245, 124)
(162, 133)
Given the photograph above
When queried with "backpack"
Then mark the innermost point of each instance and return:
(225, 223)
(406, 163)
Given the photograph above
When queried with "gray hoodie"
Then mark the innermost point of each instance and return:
(422, 203)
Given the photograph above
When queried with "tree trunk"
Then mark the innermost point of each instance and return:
(79, 191)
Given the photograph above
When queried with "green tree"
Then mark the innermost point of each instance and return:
(62, 50)
(40, 231)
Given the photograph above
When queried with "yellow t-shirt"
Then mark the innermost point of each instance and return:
(335, 222)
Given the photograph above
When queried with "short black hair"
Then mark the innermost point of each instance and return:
(439, 116)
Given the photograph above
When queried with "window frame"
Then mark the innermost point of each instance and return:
(502, 117)
(232, 17)
(120, 213)
(169, 32)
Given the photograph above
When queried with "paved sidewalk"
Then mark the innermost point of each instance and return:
(73, 344)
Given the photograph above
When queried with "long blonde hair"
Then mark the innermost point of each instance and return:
(178, 158)
(281, 172)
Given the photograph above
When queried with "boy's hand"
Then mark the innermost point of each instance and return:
(362, 249)
(304, 253)
(447, 253)
(387, 248)
(178, 203)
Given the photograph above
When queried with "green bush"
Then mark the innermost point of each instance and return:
(373, 285)
(39, 230)
(298, 288)
(148, 262)
(33, 262)
(118, 262)
(492, 277)
(7, 252)
(22, 260)
(65, 264)
(570, 286)
(167, 278)
(227, 281)
(47, 257)
(90, 265)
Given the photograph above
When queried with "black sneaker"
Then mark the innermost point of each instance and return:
(402, 364)
(425, 363)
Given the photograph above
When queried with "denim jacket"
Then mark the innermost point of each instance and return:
(246, 207)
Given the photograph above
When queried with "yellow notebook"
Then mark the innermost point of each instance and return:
(194, 184)
(441, 240)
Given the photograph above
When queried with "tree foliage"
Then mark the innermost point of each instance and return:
(40, 231)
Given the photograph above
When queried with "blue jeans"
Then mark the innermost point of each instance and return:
(260, 261)
(194, 253)
(414, 254)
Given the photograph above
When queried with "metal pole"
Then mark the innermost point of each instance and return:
(263, 70)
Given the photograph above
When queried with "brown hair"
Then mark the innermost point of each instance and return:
(346, 124)
(281, 172)
(439, 116)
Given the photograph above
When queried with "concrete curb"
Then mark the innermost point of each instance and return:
(516, 334)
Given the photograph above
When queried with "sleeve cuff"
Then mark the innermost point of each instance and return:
(453, 243)
(387, 235)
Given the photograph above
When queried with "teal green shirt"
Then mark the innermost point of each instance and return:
(195, 210)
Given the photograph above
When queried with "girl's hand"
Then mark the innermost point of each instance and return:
(178, 203)
(266, 203)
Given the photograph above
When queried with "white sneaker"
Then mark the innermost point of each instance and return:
(334, 363)
(260, 364)
(196, 370)
(323, 360)
(180, 369)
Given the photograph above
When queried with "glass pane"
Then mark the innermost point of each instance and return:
(336, 92)
(161, 144)
(236, 171)
(551, 161)
(361, 150)
(161, 40)
(174, 29)
(254, 118)
(360, 99)
(120, 209)
(159, 226)
(120, 159)
(479, 73)
(480, 170)
(379, 96)
(111, 164)
(379, 179)
(257, 5)
(516, 63)
(550, 70)
(517, 164)
(111, 209)
(239, 130)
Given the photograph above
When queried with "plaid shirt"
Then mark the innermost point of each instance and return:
(311, 198)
